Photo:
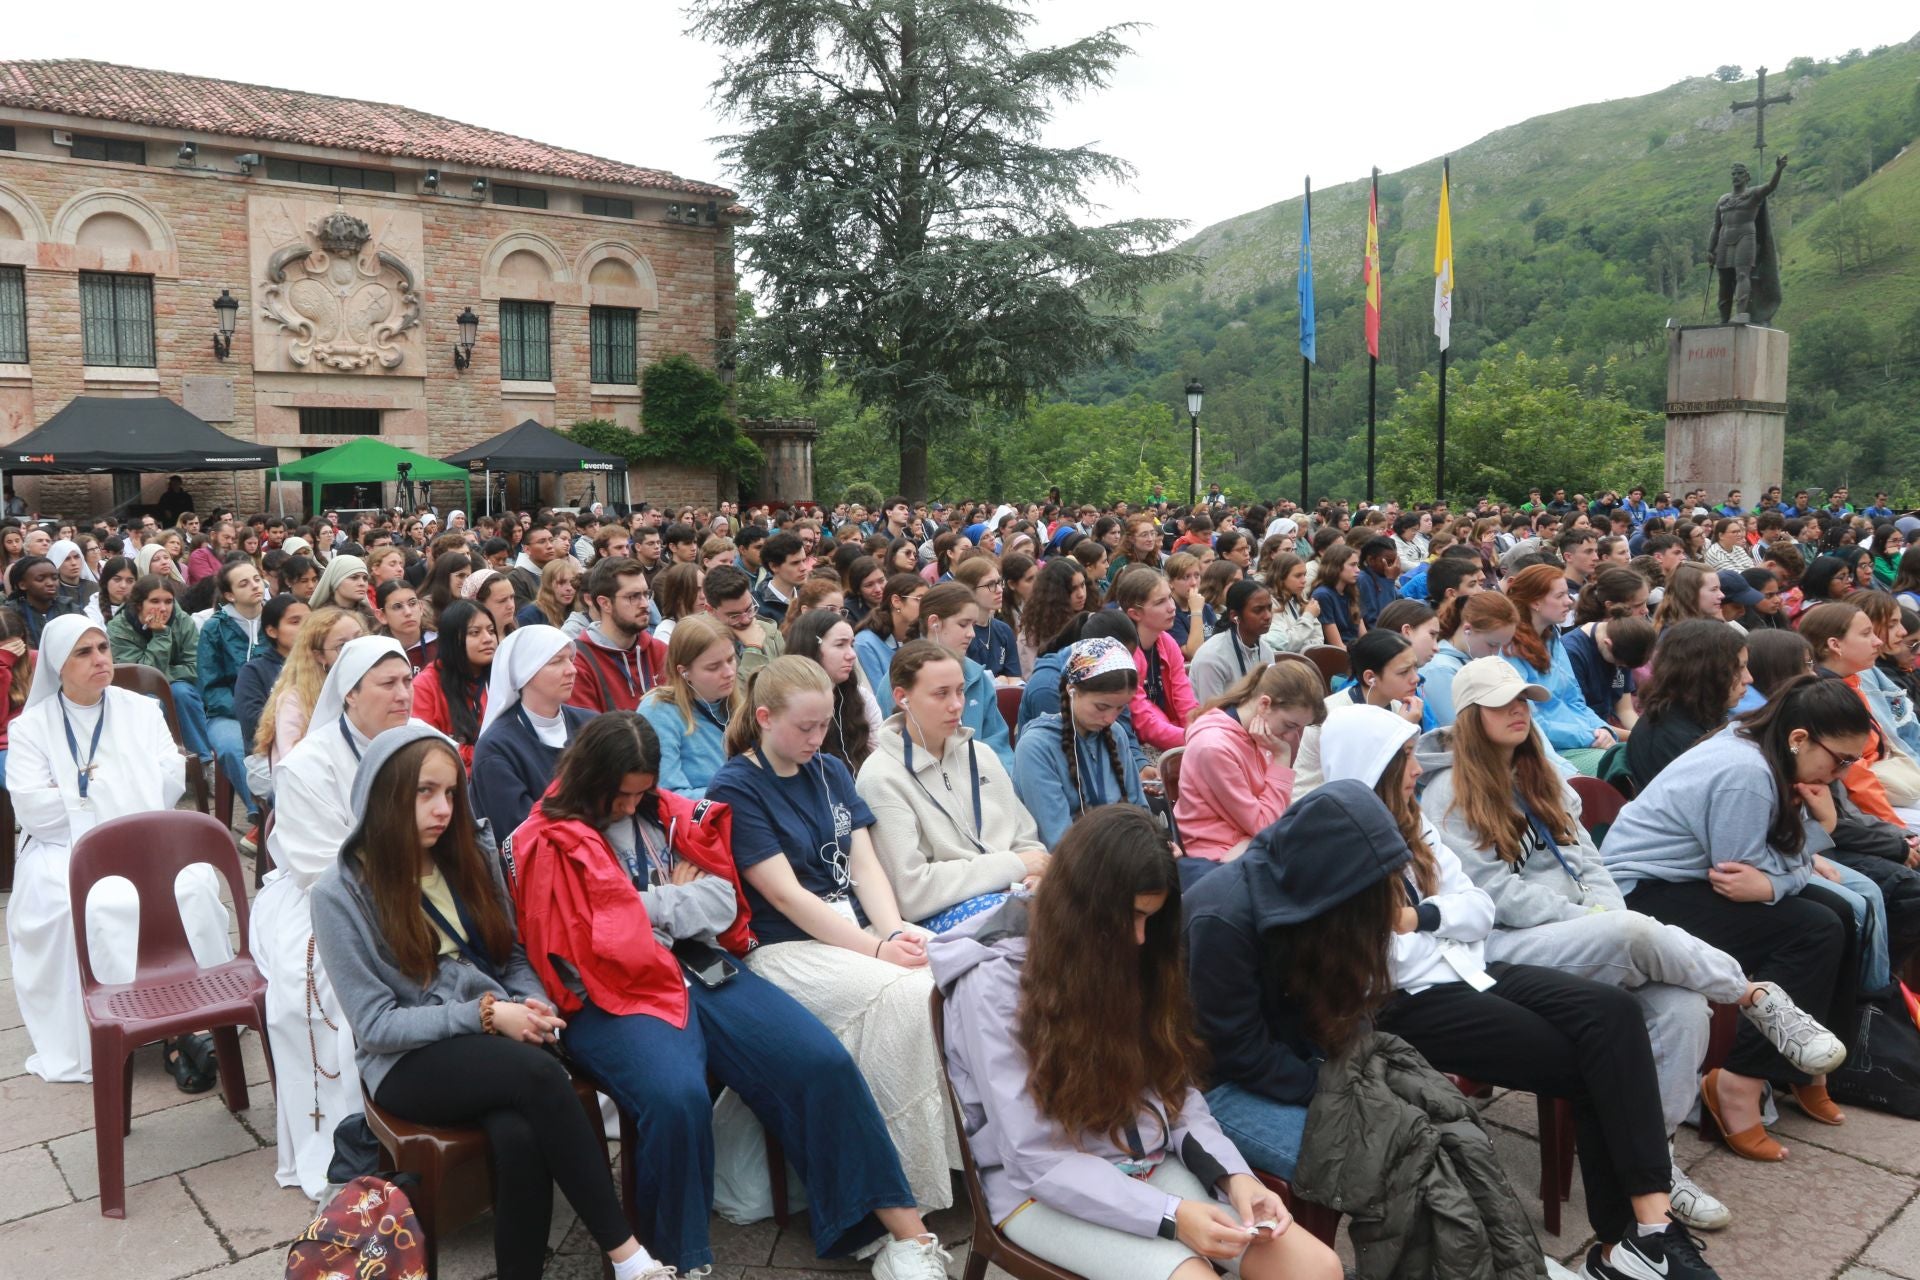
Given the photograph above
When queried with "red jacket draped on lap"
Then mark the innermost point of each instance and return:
(576, 903)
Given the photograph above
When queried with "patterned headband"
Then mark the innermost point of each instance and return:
(1097, 657)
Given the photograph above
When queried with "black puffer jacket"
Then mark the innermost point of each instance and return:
(1391, 1143)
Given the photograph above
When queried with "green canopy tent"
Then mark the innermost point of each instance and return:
(370, 460)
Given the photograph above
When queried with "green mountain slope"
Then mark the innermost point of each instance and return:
(1586, 228)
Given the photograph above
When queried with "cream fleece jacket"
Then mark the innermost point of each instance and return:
(924, 830)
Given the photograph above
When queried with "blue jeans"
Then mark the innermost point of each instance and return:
(1870, 917)
(1266, 1132)
(193, 718)
(231, 750)
(787, 1067)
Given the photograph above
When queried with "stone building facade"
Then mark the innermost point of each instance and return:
(353, 235)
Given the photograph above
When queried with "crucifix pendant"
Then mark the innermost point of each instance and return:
(317, 1116)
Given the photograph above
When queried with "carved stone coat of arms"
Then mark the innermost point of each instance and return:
(335, 296)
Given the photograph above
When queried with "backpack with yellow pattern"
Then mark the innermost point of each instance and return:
(366, 1232)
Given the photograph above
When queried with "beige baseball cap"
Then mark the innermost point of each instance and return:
(1492, 682)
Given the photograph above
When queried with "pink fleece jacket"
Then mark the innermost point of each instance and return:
(1163, 727)
(1230, 790)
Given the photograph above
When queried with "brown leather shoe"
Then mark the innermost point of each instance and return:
(1814, 1101)
(1754, 1143)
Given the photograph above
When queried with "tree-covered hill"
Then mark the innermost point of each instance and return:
(1586, 228)
(1579, 236)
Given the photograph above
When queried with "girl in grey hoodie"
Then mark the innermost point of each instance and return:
(1096, 1150)
(1515, 825)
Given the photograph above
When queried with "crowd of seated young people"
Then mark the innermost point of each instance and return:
(804, 814)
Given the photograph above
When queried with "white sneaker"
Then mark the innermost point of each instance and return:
(1694, 1207)
(920, 1258)
(1804, 1043)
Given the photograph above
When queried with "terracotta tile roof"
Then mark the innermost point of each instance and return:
(168, 100)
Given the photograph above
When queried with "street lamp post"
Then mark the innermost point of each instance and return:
(1194, 393)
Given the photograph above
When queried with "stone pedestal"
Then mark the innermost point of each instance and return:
(1726, 409)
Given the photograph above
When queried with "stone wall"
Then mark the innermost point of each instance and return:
(197, 233)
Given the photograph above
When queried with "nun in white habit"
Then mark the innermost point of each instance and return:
(529, 722)
(369, 690)
(78, 582)
(80, 753)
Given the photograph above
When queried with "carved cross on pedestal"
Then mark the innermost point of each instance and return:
(1759, 107)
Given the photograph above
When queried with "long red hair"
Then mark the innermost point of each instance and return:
(1527, 588)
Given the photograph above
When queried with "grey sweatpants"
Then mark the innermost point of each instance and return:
(1670, 972)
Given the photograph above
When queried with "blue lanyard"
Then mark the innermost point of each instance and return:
(973, 772)
(659, 865)
(465, 945)
(347, 733)
(708, 713)
(73, 744)
(1156, 689)
(1546, 840)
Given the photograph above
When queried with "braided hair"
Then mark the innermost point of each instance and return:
(1109, 682)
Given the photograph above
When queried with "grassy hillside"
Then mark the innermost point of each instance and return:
(1585, 229)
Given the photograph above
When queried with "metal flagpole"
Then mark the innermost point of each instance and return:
(1373, 358)
(1440, 437)
(1306, 361)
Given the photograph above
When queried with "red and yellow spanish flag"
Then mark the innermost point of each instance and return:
(1371, 271)
(1443, 264)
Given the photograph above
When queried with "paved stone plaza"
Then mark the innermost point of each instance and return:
(201, 1199)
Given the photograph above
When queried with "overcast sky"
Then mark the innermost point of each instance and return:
(1222, 108)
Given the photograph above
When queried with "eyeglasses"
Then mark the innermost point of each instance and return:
(1842, 763)
(991, 584)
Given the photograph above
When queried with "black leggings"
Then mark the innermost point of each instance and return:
(536, 1129)
(1805, 942)
(1565, 1037)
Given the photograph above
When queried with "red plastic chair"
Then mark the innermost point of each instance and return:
(222, 796)
(456, 1182)
(1554, 1118)
(170, 995)
(1008, 697)
(987, 1245)
(1322, 1223)
(145, 680)
(1170, 772)
(1600, 804)
(6, 840)
(262, 859)
(1331, 661)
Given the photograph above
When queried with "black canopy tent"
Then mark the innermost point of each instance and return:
(93, 435)
(96, 434)
(532, 447)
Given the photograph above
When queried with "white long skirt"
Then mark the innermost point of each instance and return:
(282, 936)
(879, 1012)
(46, 965)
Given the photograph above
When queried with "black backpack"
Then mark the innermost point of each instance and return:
(1882, 1069)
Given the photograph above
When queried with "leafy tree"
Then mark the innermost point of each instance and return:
(916, 237)
(1832, 349)
(1728, 73)
(1518, 421)
(687, 421)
